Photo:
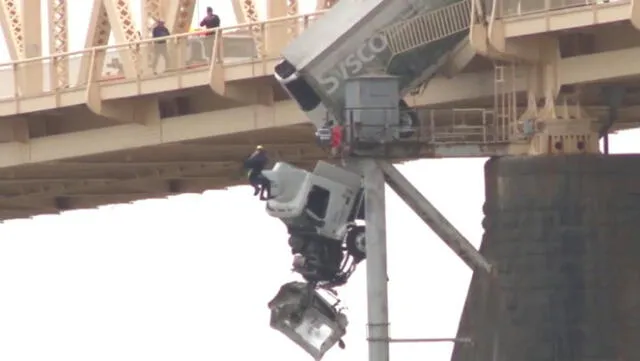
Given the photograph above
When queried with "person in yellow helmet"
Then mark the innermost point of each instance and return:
(255, 164)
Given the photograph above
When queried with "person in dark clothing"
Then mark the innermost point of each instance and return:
(160, 47)
(255, 164)
(210, 21)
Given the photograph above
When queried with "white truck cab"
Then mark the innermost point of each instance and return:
(321, 202)
(324, 214)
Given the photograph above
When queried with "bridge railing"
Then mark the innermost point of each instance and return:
(510, 8)
(432, 126)
(58, 73)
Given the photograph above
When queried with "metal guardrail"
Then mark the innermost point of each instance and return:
(473, 126)
(511, 8)
(428, 27)
(246, 43)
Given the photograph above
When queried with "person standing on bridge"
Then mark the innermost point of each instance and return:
(210, 21)
(256, 163)
(159, 32)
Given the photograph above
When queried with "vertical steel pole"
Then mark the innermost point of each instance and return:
(376, 248)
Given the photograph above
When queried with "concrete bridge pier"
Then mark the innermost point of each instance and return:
(563, 233)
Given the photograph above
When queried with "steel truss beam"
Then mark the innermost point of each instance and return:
(12, 28)
(180, 15)
(125, 31)
(59, 43)
(108, 16)
(246, 12)
(293, 9)
(152, 10)
(97, 35)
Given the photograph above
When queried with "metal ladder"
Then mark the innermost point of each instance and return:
(505, 108)
(428, 27)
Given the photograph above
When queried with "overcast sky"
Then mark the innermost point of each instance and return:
(189, 277)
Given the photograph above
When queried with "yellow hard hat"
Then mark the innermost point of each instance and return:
(259, 147)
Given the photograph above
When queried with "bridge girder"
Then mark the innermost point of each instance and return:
(12, 28)
(59, 42)
(125, 30)
(152, 10)
(180, 15)
(246, 12)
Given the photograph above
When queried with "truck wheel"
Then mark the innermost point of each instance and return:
(356, 243)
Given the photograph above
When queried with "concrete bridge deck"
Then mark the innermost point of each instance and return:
(117, 132)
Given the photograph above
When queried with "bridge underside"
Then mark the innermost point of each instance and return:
(147, 172)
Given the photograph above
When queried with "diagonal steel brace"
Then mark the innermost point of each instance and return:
(433, 218)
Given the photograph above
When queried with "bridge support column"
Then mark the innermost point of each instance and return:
(565, 248)
(363, 145)
(376, 249)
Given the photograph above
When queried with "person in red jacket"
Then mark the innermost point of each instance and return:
(337, 133)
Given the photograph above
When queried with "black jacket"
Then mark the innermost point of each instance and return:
(256, 161)
(160, 31)
(210, 22)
